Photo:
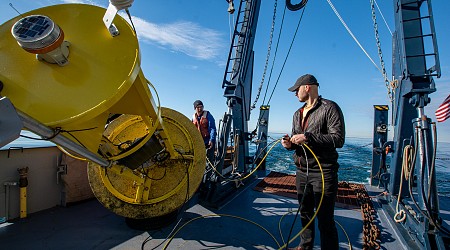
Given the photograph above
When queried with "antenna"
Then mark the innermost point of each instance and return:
(10, 4)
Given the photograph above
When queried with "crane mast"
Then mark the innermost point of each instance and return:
(233, 160)
(411, 179)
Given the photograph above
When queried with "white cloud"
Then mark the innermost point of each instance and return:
(83, 2)
(190, 67)
(182, 36)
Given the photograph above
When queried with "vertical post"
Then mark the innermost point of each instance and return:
(23, 183)
(379, 139)
(413, 80)
(237, 82)
(263, 124)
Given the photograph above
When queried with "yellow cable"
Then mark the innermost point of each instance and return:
(237, 217)
(270, 149)
(346, 235)
(320, 203)
(159, 103)
(245, 177)
(279, 225)
(218, 215)
(71, 155)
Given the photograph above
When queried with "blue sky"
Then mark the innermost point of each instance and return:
(185, 44)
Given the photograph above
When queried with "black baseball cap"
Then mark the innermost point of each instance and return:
(304, 80)
(198, 102)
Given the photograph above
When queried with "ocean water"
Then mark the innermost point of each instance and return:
(355, 160)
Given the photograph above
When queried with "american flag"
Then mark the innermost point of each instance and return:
(443, 112)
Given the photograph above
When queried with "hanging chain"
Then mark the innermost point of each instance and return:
(267, 57)
(390, 88)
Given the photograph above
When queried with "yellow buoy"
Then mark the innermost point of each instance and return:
(88, 86)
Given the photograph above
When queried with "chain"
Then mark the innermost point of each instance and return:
(380, 55)
(267, 57)
(371, 233)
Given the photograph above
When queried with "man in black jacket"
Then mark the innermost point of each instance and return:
(319, 124)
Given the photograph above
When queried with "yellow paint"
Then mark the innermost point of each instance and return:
(103, 75)
(382, 107)
(142, 182)
(155, 190)
(23, 202)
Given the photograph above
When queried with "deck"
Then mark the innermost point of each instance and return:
(250, 220)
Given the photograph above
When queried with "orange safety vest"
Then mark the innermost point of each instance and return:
(202, 126)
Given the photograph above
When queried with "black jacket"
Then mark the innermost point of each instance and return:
(324, 130)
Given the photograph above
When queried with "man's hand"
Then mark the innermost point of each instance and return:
(286, 141)
(210, 144)
(299, 139)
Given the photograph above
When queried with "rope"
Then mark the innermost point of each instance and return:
(351, 34)
(382, 16)
(408, 151)
(287, 55)
(285, 60)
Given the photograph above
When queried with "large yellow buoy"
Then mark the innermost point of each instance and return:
(88, 86)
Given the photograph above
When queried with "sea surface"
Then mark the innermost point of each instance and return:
(355, 160)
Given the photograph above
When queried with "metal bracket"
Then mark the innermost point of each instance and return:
(12, 148)
(62, 170)
(10, 123)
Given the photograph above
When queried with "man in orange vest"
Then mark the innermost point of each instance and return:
(205, 123)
